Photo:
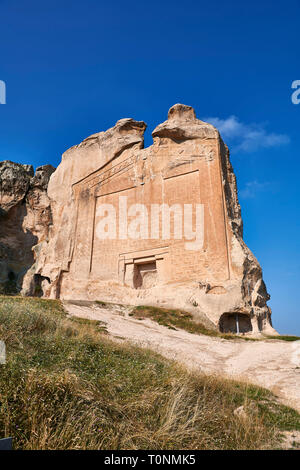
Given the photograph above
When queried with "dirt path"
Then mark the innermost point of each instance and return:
(272, 364)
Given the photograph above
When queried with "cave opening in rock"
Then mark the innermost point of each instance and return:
(235, 323)
(11, 276)
(39, 283)
(145, 275)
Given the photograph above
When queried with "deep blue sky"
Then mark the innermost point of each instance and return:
(73, 68)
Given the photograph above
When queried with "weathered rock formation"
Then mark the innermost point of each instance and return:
(25, 216)
(159, 225)
(111, 183)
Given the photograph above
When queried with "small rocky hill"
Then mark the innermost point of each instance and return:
(25, 217)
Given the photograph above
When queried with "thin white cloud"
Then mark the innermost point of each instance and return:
(247, 137)
(252, 188)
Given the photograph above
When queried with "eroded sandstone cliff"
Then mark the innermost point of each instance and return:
(187, 163)
(219, 280)
(25, 216)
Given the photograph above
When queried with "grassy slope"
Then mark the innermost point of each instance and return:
(173, 319)
(67, 385)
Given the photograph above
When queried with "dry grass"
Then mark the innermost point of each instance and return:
(66, 385)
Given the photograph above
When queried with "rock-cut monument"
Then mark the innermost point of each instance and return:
(155, 226)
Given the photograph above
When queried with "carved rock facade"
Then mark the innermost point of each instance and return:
(111, 179)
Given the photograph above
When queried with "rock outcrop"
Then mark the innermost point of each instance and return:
(155, 226)
(219, 280)
(25, 216)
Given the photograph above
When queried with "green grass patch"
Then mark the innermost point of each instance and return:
(284, 337)
(66, 385)
(174, 318)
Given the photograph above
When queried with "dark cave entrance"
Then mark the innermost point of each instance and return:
(38, 285)
(235, 323)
